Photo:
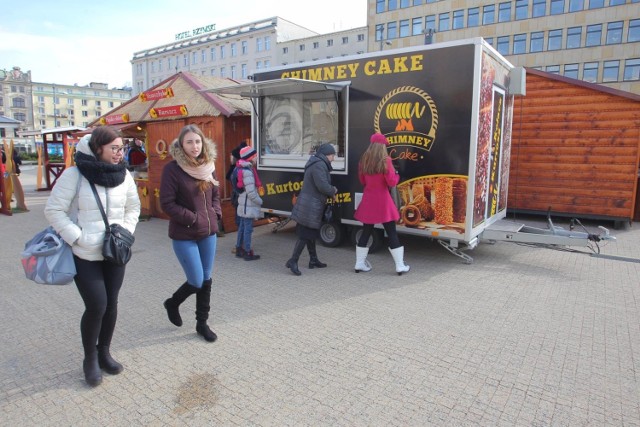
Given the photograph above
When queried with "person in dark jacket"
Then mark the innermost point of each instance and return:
(310, 205)
(189, 194)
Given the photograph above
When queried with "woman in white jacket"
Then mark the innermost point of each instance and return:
(73, 212)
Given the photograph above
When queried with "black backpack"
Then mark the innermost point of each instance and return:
(235, 192)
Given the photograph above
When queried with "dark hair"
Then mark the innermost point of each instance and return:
(102, 136)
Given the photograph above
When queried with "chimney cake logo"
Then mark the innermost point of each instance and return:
(407, 116)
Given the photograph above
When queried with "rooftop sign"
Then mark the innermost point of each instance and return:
(195, 32)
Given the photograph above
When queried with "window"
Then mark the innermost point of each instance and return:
(70, 101)
(330, 42)
(519, 44)
(259, 44)
(85, 113)
(18, 103)
(596, 4)
(98, 103)
(392, 30)
(610, 71)
(244, 70)
(634, 31)
(393, 4)
(301, 47)
(234, 50)
(614, 32)
(110, 104)
(488, 14)
(267, 43)
(590, 72)
(417, 2)
(458, 19)
(160, 62)
(539, 8)
(473, 17)
(380, 6)
(574, 34)
(594, 35)
(631, 70)
(345, 40)
(84, 102)
(195, 58)
(223, 52)
(185, 60)
(56, 100)
(404, 29)
(316, 45)
(223, 72)
(489, 40)
(554, 41)
(537, 42)
(616, 2)
(522, 9)
(416, 26)
(443, 22)
(504, 12)
(212, 55)
(203, 56)
(233, 71)
(213, 71)
(404, 3)
(571, 70)
(379, 32)
(244, 47)
(360, 37)
(22, 117)
(556, 7)
(285, 50)
(555, 69)
(576, 5)
(503, 45)
(430, 22)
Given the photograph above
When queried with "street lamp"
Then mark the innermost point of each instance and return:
(382, 40)
(428, 35)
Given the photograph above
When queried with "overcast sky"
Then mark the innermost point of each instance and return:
(80, 41)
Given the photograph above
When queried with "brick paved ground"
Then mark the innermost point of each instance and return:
(524, 336)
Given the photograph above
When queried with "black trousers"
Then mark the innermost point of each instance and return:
(389, 227)
(99, 284)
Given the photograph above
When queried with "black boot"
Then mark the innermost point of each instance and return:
(91, 368)
(108, 363)
(314, 262)
(203, 300)
(292, 264)
(174, 302)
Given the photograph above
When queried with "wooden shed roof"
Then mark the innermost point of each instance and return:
(187, 90)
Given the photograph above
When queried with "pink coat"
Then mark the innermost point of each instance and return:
(377, 206)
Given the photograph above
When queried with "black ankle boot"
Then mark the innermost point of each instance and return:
(91, 368)
(108, 363)
(292, 265)
(314, 262)
(203, 329)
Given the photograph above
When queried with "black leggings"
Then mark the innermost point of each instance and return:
(99, 283)
(389, 228)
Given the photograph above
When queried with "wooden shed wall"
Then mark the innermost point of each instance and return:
(574, 149)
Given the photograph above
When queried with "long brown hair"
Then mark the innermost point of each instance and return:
(374, 160)
(207, 154)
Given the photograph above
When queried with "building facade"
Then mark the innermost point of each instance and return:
(592, 40)
(233, 52)
(16, 98)
(56, 105)
(318, 47)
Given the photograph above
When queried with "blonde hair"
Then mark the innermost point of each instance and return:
(374, 159)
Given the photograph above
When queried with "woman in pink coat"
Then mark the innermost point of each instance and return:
(377, 175)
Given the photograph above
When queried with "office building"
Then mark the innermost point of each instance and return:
(593, 40)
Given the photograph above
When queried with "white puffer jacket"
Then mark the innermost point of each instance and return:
(78, 220)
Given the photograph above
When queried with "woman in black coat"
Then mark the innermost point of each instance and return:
(309, 207)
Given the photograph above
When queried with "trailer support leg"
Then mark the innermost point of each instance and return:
(456, 251)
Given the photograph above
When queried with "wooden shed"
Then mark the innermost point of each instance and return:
(575, 150)
(158, 114)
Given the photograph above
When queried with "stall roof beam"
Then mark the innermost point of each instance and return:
(278, 87)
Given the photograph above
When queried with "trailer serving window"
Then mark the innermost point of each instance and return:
(292, 117)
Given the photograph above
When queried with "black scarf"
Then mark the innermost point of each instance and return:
(100, 173)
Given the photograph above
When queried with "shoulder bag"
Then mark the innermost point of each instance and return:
(116, 247)
(48, 260)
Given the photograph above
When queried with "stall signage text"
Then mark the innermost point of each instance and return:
(152, 95)
(173, 110)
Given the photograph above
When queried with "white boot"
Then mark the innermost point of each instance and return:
(361, 259)
(398, 257)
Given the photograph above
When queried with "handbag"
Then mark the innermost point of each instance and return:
(116, 246)
(327, 215)
(47, 259)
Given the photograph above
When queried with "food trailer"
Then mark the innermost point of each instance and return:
(446, 110)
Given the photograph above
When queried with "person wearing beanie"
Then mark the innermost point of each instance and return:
(232, 177)
(249, 202)
(377, 174)
(190, 196)
(310, 205)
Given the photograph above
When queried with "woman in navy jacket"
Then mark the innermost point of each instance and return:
(189, 194)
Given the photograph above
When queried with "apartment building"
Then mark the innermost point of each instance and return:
(233, 52)
(593, 40)
(16, 99)
(56, 105)
(318, 47)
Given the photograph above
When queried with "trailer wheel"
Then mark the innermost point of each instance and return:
(376, 241)
(331, 234)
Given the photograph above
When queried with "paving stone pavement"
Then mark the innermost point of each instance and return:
(523, 336)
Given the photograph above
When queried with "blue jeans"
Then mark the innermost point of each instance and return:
(245, 229)
(196, 258)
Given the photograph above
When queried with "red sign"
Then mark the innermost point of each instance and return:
(115, 119)
(152, 95)
(174, 110)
